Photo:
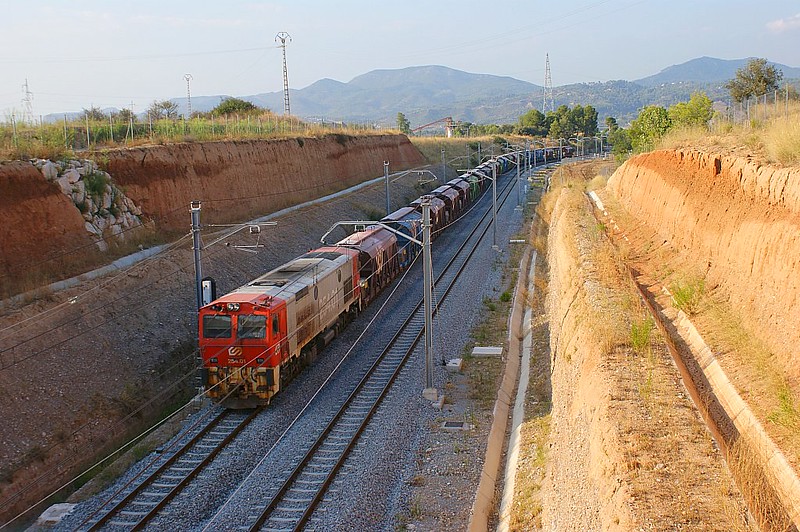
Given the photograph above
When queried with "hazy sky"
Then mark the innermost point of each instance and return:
(110, 53)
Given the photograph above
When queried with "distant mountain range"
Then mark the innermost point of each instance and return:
(427, 93)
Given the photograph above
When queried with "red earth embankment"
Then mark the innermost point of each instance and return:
(737, 223)
(238, 179)
(235, 180)
(38, 220)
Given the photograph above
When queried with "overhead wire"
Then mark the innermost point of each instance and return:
(99, 286)
(72, 59)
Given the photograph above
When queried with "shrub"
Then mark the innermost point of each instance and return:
(687, 295)
(640, 335)
(96, 183)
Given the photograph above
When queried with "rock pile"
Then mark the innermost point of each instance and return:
(105, 207)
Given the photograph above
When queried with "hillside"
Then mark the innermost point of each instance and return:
(428, 93)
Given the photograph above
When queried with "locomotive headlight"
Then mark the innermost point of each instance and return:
(259, 361)
(212, 360)
(233, 306)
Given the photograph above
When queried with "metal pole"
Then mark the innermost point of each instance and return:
(429, 392)
(494, 206)
(444, 168)
(386, 179)
(198, 270)
(479, 153)
(519, 182)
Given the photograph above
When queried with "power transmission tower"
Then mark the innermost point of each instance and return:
(547, 100)
(27, 103)
(283, 37)
(188, 78)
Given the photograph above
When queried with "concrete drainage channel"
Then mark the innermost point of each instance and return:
(483, 506)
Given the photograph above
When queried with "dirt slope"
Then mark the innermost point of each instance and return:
(38, 220)
(738, 225)
(236, 180)
(626, 450)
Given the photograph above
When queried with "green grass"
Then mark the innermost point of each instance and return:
(687, 295)
(640, 335)
(787, 413)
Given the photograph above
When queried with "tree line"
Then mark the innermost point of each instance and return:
(166, 109)
(755, 79)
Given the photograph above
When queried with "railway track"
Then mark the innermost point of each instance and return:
(137, 502)
(303, 488)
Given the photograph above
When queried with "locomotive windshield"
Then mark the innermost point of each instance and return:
(216, 326)
(251, 326)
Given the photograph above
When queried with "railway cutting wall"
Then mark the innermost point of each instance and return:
(236, 180)
(737, 223)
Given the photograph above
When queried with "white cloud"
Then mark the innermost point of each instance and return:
(785, 24)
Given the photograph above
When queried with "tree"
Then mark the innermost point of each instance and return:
(611, 124)
(533, 123)
(403, 124)
(620, 141)
(585, 119)
(754, 79)
(694, 113)
(93, 114)
(647, 128)
(126, 116)
(163, 109)
(229, 106)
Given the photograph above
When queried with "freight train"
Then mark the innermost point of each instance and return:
(258, 337)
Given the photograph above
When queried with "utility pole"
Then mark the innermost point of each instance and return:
(386, 179)
(282, 36)
(198, 269)
(444, 168)
(519, 181)
(429, 392)
(188, 78)
(494, 206)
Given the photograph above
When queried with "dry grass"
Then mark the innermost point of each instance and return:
(782, 140)
(766, 510)
(431, 148)
(773, 136)
(48, 141)
(766, 390)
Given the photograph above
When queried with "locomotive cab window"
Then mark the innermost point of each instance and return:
(216, 326)
(276, 326)
(251, 326)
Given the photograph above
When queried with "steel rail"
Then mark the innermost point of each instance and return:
(161, 499)
(385, 381)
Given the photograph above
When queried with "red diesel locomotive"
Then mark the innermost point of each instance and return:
(255, 339)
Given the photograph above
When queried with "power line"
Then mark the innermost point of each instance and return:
(130, 57)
